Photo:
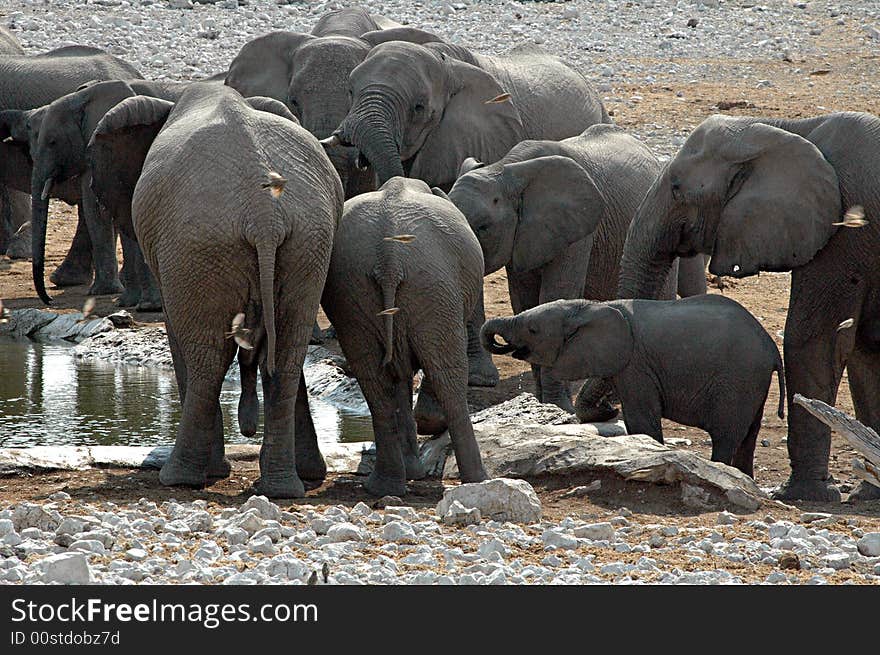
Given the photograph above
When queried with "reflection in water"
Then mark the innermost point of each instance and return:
(49, 398)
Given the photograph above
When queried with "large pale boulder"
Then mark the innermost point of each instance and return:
(66, 568)
(500, 499)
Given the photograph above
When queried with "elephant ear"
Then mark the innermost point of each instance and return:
(409, 34)
(14, 126)
(440, 193)
(786, 199)
(559, 205)
(272, 106)
(119, 146)
(597, 341)
(263, 66)
(468, 165)
(96, 100)
(479, 120)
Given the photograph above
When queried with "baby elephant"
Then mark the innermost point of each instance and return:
(703, 361)
(405, 274)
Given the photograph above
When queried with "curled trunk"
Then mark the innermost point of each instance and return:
(372, 128)
(497, 327)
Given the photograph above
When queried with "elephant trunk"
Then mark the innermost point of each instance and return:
(647, 260)
(497, 327)
(41, 187)
(372, 127)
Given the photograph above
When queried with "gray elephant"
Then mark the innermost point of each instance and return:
(405, 274)
(58, 151)
(420, 110)
(14, 205)
(235, 210)
(309, 72)
(555, 214)
(28, 82)
(770, 195)
(703, 361)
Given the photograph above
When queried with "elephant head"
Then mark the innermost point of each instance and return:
(525, 213)
(754, 196)
(576, 339)
(417, 106)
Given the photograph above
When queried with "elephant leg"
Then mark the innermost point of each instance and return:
(449, 387)
(151, 296)
(389, 475)
(309, 462)
(76, 268)
(429, 416)
(15, 211)
(129, 274)
(278, 474)
(482, 371)
(103, 236)
(863, 368)
(692, 276)
(744, 456)
(198, 449)
(415, 470)
(815, 353)
(317, 337)
(248, 401)
(524, 290)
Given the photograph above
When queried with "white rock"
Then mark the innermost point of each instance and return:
(233, 535)
(209, 551)
(66, 568)
(6, 527)
(399, 532)
(458, 514)
(136, 554)
(555, 539)
(869, 545)
(88, 545)
(595, 531)
(346, 532)
(837, 561)
(726, 518)
(265, 507)
(262, 545)
(501, 499)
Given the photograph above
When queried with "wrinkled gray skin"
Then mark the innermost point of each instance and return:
(253, 252)
(421, 110)
(14, 206)
(58, 151)
(761, 195)
(555, 214)
(702, 361)
(309, 73)
(29, 83)
(434, 282)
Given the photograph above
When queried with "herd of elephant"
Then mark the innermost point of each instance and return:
(381, 172)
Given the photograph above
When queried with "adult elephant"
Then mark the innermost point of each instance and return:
(555, 214)
(420, 110)
(58, 152)
(765, 195)
(29, 82)
(309, 73)
(14, 205)
(266, 203)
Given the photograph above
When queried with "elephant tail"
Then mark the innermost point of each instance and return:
(780, 375)
(266, 263)
(389, 297)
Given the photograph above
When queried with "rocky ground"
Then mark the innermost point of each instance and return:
(662, 67)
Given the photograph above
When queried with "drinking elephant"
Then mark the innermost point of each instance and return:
(770, 195)
(309, 73)
(555, 214)
(405, 275)
(28, 82)
(702, 361)
(235, 210)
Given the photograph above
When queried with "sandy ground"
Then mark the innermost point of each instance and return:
(842, 80)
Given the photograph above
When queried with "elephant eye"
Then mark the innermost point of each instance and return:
(419, 108)
(533, 331)
(494, 201)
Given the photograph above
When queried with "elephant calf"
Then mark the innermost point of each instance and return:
(702, 361)
(404, 276)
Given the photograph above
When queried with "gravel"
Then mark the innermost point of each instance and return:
(144, 542)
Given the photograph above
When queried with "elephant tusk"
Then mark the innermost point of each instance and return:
(331, 141)
(391, 311)
(848, 323)
(497, 100)
(47, 188)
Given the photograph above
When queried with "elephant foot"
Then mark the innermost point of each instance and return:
(563, 402)
(70, 275)
(816, 490)
(377, 485)
(317, 337)
(600, 413)
(476, 475)
(129, 298)
(149, 305)
(482, 371)
(281, 486)
(106, 288)
(219, 469)
(247, 425)
(177, 474)
(415, 470)
(311, 467)
(865, 491)
(429, 416)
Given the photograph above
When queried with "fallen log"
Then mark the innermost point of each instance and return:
(860, 436)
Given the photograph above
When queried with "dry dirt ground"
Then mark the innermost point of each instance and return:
(844, 80)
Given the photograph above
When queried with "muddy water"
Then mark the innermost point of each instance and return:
(49, 398)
